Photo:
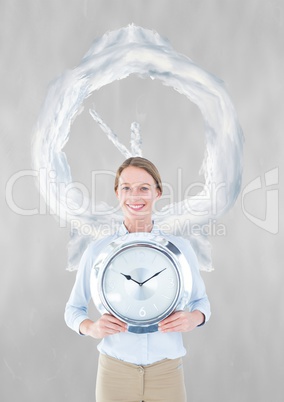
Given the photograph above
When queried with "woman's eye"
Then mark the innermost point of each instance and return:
(144, 188)
(126, 188)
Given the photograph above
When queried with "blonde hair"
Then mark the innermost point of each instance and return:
(142, 163)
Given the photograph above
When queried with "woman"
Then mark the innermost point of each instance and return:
(137, 367)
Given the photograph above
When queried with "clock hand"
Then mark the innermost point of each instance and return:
(156, 274)
(128, 277)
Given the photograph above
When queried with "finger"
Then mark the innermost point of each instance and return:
(166, 325)
(173, 317)
(171, 327)
(114, 323)
(110, 329)
(118, 323)
(175, 322)
(116, 327)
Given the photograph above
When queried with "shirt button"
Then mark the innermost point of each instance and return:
(141, 370)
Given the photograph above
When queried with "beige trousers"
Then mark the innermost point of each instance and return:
(118, 381)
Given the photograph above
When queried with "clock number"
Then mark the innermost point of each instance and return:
(142, 312)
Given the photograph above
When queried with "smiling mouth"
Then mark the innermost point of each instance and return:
(135, 207)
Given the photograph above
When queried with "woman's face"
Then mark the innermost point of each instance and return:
(136, 192)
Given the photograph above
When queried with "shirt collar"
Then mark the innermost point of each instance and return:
(123, 230)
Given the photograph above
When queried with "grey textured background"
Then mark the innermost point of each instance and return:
(238, 356)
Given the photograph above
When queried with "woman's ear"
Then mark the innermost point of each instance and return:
(159, 194)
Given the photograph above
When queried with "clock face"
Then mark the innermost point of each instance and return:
(141, 278)
(140, 284)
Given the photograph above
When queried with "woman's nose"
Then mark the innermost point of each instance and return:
(135, 192)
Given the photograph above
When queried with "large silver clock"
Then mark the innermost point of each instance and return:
(141, 278)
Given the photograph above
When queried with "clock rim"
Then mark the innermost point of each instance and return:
(128, 241)
(156, 318)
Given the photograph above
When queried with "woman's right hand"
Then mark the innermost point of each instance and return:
(105, 326)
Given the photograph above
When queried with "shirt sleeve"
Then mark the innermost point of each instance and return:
(76, 309)
(199, 299)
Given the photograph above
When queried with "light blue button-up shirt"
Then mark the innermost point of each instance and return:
(140, 349)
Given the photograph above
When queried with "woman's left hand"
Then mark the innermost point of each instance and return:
(182, 321)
